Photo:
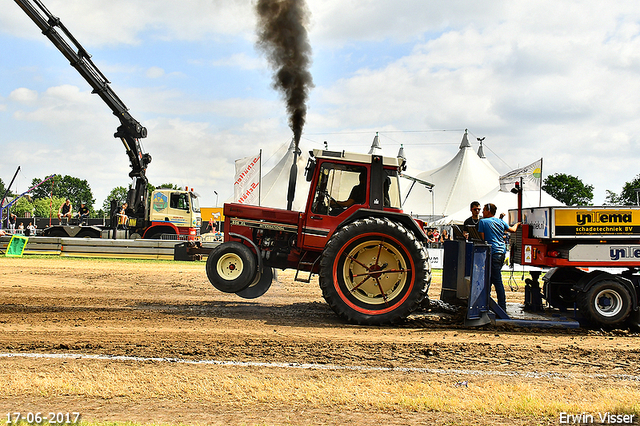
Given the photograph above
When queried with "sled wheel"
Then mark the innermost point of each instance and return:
(231, 267)
(606, 303)
(261, 283)
(374, 271)
(57, 233)
(87, 233)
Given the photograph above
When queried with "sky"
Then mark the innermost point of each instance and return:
(557, 80)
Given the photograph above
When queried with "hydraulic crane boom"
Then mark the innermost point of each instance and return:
(130, 130)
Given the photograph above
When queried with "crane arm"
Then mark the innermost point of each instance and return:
(130, 130)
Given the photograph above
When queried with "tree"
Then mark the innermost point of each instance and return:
(628, 196)
(47, 207)
(76, 190)
(168, 186)
(3, 188)
(612, 199)
(119, 193)
(568, 189)
(21, 207)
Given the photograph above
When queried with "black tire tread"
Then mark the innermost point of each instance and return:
(585, 301)
(414, 246)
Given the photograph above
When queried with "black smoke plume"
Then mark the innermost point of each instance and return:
(283, 37)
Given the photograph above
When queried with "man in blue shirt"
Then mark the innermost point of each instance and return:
(492, 230)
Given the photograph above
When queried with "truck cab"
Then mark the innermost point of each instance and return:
(174, 212)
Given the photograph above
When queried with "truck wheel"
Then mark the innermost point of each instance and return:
(231, 267)
(606, 303)
(374, 271)
(261, 283)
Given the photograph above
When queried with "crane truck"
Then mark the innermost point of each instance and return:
(371, 257)
(592, 259)
(172, 212)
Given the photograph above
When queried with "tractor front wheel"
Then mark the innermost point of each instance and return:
(231, 267)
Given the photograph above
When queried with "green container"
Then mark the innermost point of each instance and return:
(16, 246)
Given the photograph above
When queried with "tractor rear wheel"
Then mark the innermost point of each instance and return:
(607, 303)
(374, 271)
(231, 267)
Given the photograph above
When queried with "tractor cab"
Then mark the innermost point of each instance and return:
(342, 183)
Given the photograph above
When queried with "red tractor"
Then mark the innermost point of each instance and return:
(371, 258)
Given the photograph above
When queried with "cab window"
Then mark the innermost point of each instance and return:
(179, 201)
(195, 203)
(391, 190)
(339, 183)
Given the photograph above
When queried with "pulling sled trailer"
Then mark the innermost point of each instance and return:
(593, 259)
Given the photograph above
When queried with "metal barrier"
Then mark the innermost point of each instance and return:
(98, 247)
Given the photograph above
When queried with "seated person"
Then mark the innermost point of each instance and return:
(358, 194)
(123, 219)
(31, 229)
(65, 211)
(83, 212)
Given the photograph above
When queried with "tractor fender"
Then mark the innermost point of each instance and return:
(402, 218)
(252, 244)
(593, 277)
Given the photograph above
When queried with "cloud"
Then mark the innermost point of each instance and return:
(23, 95)
(127, 23)
(241, 61)
(155, 72)
(552, 79)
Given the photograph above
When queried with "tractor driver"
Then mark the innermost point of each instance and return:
(358, 194)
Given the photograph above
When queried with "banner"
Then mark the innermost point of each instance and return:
(531, 177)
(246, 188)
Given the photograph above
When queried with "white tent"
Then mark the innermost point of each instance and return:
(275, 183)
(504, 201)
(465, 178)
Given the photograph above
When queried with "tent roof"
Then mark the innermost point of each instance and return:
(275, 183)
(504, 201)
(464, 178)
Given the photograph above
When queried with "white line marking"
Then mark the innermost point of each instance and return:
(524, 374)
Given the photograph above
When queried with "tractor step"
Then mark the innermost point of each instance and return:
(303, 279)
(308, 267)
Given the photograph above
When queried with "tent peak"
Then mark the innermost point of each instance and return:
(465, 141)
(480, 149)
(376, 149)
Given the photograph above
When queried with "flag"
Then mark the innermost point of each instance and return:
(531, 177)
(246, 188)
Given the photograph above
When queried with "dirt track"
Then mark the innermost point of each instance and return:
(169, 310)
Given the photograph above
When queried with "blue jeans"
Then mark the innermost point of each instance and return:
(497, 260)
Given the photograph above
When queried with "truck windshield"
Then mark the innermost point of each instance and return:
(195, 204)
